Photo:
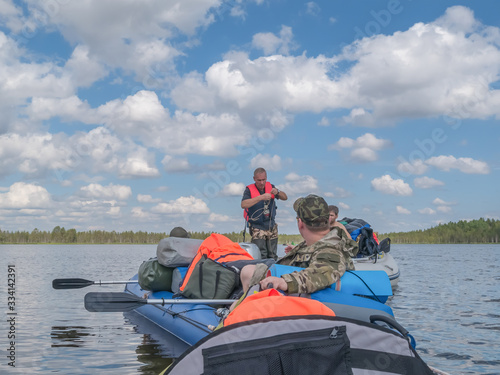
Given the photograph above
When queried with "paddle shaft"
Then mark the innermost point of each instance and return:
(82, 283)
(115, 282)
(189, 301)
(121, 301)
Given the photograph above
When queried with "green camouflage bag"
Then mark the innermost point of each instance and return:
(211, 280)
(155, 277)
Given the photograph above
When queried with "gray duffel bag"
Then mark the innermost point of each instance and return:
(177, 252)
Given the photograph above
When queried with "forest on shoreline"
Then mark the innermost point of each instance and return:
(474, 231)
(462, 232)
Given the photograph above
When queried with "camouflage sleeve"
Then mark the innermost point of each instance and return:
(326, 268)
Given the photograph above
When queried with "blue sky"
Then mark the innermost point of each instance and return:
(144, 115)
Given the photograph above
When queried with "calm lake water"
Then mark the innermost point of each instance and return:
(448, 297)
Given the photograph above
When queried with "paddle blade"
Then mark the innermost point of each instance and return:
(71, 283)
(112, 302)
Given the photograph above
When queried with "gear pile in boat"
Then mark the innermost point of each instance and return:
(367, 239)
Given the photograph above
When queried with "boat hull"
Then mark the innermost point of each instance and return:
(382, 262)
(192, 322)
(188, 322)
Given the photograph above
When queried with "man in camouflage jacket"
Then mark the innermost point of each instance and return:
(325, 255)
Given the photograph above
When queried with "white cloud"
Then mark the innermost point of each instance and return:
(402, 210)
(10, 15)
(93, 152)
(324, 121)
(263, 86)
(266, 161)
(233, 189)
(427, 182)
(458, 19)
(237, 94)
(387, 185)
(146, 198)
(219, 218)
(114, 211)
(313, 8)
(67, 108)
(138, 164)
(111, 191)
(344, 206)
(83, 69)
(364, 147)
(464, 165)
(427, 211)
(440, 202)
(429, 70)
(299, 184)
(270, 43)
(23, 195)
(417, 167)
(172, 165)
(120, 42)
(139, 213)
(182, 205)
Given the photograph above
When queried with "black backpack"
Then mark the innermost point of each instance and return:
(367, 244)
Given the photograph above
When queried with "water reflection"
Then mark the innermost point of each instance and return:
(157, 349)
(149, 352)
(69, 336)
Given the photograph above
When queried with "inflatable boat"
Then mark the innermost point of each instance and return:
(361, 294)
(156, 294)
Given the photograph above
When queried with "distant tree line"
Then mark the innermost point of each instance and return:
(60, 235)
(474, 231)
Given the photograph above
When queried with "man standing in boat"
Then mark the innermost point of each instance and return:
(259, 203)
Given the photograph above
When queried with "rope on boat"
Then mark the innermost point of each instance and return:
(370, 289)
(191, 321)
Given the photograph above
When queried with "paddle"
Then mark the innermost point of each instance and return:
(121, 301)
(82, 283)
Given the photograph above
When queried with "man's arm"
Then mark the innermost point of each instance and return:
(281, 195)
(341, 226)
(247, 203)
(327, 267)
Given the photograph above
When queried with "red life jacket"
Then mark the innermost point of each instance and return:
(270, 304)
(254, 192)
(219, 248)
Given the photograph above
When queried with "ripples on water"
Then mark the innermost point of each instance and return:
(447, 298)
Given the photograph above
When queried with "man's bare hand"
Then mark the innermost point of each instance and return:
(277, 282)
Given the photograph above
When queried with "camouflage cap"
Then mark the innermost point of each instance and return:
(312, 210)
(179, 232)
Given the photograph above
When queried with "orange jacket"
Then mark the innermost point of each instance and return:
(254, 192)
(219, 248)
(270, 304)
